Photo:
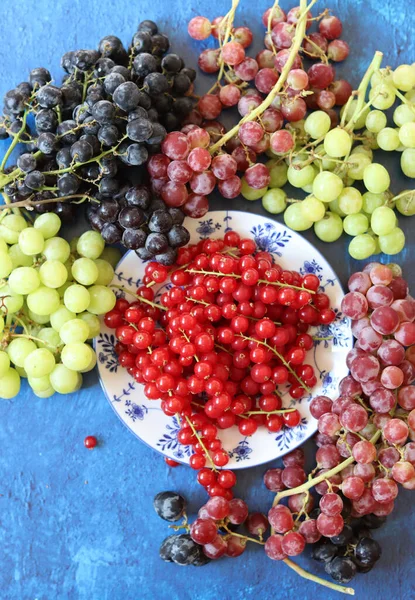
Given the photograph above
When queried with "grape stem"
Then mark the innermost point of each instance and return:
(140, 298)
(271, 412)
(236, 276)
(361, 90)
(244, 537)
(199, 439)
(269, 28)
(32, 203)
(306, 575)
(14, 142)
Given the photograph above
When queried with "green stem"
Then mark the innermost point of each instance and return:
(199, 439)
(361, 90)
(306, 575)
(14, 142)
(236, 276)
(140, 298)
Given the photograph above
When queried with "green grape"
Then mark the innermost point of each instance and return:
(373, 201)
(356, 224)
(251, 193)
(91, 364)
(49, 224)
(301, 177)
(317, 124)
(327, 186)
(360, 122)
(24, 280)
(63, 380)
(382, 96)
(362, 246)
(334, 207)
(357, 164)
(393, 242)
(381, 76)
(371, 139)
(113, 255)
(61, 316)
(31, 241)
(396, 269)
(90, 244)
(407, 135)
(4, 363)
(330, 228)
(76, 298)
(350, 201)
(45, 393)
(73, 245)
(308, 189)
(39, 384)
(295, 219)
(1, 324)
(9, 384)
(274, 201)
(18, 258)
(410, 96)
(50, 339)
(406, 204)
(278, 173)
(388, 139)
(75, 330)
(6, 264)
(10, 228)
(297, 127)
(93, 323)
(105, 272)
(56, 248)
(383, 220)
(313, 210)
(337, 143)
(404, 77)
(11, 301)
(39, 363)
(403, 114)
(85, 271)
(408, 162)
(53, 274)
(375, 121)
(362, 150)
(102, 300)
(3, 246)
(43, 301)
(376, 178)
(19, 349)
(39, 319)
(76, 356)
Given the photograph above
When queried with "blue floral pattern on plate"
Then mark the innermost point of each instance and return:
(328, 357)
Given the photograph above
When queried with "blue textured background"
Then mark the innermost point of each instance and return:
(80, 525)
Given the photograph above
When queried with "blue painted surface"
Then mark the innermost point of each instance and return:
(79, 525)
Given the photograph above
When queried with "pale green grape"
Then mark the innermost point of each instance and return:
(56, 248)
(31, 241)
(403, 114)
(337, 143)
(113, 255)
(19, 349)
(39, 363)
(73, 244)
(274, 201)
(85, 271)
(404, 77)
(360, 122)
(278, 174)
(53, 274)
(362, 150)
(91, 364)
(93, 323)
(76, 356)
(10, 228)
(63, 380)
(406, 204)
(357, 164)
(313, 210)
(376, 178)
(373, 201)
(407, 135)
(371, 139)
(50, 339)
(350, 201)
(375, 121)
(102, 300)
(326, 163)
(105, 271)
(298, 128)
(383, 220)
(382, 96)
(75, 330)
(410, 96)
(45, 393)
(301, 177)
(4, 363)
(356, 224)
(76, 298)
(393, 242)
(61, 316)
(251, 193)
(381, 76)
(327, 186)
(388, 139)
(90, 244)
(18, 258)
(362, 246)
(9, 384)
(39, 384)
(3, 246)
(408, 162)
(294, 218)
(12, 302)
(39, 319)
(43, 301)
(6, 264)
(396, 269)
(317, 124)
(347, 180)
(24, 280)
(330, 228)
(1, 324)
(49, 224)
(335, 208)
(308, 189)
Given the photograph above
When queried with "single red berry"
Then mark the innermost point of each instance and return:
(90, 442)
(171, 462)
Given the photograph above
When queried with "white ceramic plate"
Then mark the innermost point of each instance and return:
(144, 417)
